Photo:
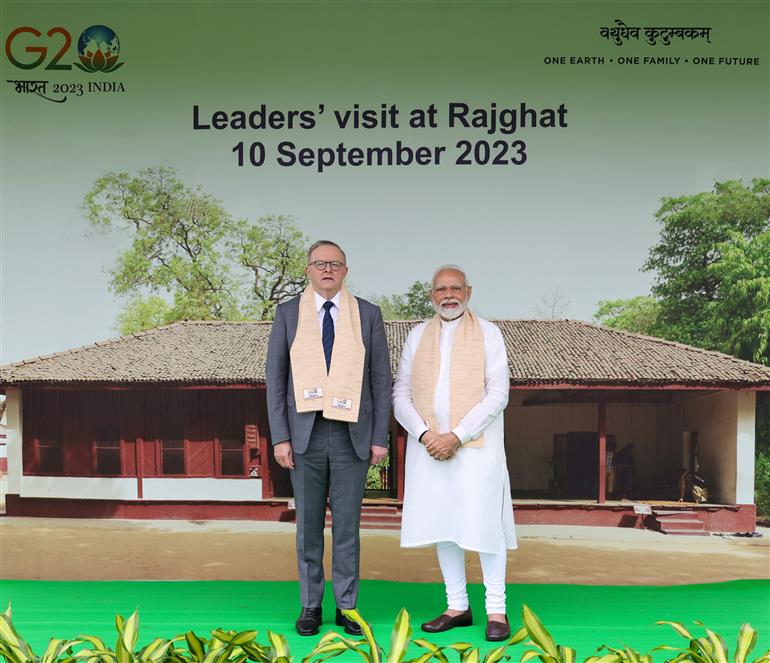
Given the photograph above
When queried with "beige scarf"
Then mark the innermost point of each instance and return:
(466, 379)
(338, 394)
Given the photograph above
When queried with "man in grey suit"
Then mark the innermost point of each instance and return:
(327, 456)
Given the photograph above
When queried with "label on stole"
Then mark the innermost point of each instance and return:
(342, 403)
(313, 394)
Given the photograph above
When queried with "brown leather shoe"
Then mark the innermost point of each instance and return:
(497, 631)
(445, 622)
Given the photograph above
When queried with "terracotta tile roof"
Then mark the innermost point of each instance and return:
(539, 352)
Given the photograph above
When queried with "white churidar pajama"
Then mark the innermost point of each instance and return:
(463, 503)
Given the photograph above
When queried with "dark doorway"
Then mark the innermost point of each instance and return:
(576, 464)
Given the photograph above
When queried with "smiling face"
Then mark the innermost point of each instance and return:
(326, 282)
(450, 294)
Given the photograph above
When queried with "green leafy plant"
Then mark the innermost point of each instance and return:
(712, 648)
(333, 644)
(625, 655)
(14, 649)
(231, 647)
(125, 646)
(434, 651)
(762, 481)
(545, 648)
(242, 646)
(279, 648)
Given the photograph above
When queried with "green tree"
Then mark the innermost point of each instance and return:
(741, 314)
(142, 313)
(638, 314)
(188, 258)
(695, 233)
(274, 253)
(177, 237)
(414, 304)
(741, 308)
(712, 283)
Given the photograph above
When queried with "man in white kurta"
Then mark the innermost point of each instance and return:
(458, 496)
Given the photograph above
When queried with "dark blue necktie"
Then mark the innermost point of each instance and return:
(327, 336)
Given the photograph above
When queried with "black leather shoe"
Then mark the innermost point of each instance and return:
(351, 627)
(445, 622)
(309, 621)
(497, 631)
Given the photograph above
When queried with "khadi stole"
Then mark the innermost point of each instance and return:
(466, 375)
(338, 394)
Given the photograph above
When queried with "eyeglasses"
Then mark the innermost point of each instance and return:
(454, 289)
(320, 265)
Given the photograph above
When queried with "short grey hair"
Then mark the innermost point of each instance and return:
(444, 268)
(325, 242)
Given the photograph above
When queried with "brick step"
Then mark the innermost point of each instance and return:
(682, 523)
(661, 513)
(376, 511)
(375, 517)
(685, 532)
(380, 510)
(373, 524)
(380, 525)
(380, 513)
(367, 518)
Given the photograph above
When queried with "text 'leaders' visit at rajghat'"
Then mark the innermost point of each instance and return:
(328, 394)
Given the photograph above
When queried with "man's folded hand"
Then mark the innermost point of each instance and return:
(443, 446)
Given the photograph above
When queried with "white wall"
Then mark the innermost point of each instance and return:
(102, 488)
(725, 422)
(529, 435)
(219, 490)
(715, 418)
(82, 488)
(744, 480)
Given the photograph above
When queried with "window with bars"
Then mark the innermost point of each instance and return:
(107, 450)
(172, 450)
(50, 456)
(231, 457)
(172, 456)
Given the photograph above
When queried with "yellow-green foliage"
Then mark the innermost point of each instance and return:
(240, 647)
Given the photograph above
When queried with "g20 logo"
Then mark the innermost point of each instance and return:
(98, 49)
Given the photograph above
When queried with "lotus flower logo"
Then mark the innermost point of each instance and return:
(98, 49)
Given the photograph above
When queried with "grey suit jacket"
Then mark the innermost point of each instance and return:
(374, 414)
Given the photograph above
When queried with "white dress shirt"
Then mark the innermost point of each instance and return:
(319, 306)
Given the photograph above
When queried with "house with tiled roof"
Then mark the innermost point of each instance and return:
(172, 422)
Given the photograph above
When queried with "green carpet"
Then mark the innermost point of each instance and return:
(580, 616)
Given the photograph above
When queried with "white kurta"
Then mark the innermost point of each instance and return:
(466, 499)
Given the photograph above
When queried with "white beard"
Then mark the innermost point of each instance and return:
(450, 313)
